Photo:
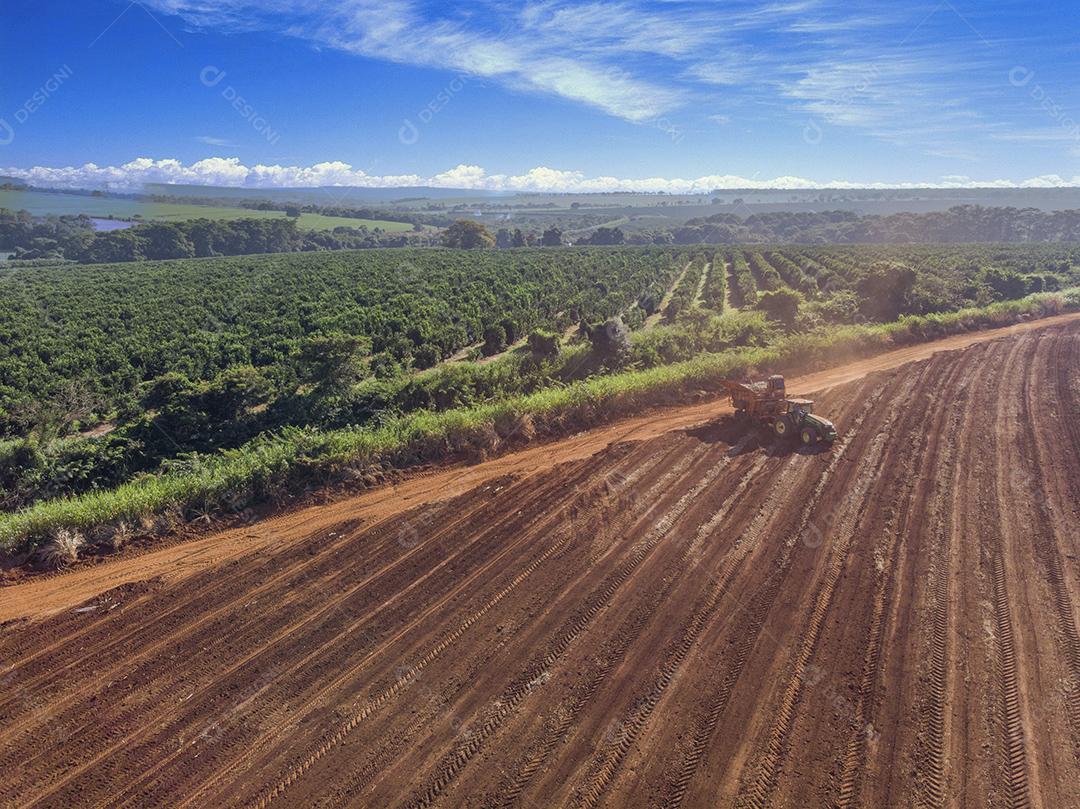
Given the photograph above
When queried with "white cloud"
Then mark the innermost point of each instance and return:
(210, 140)
(634, 59)
(222, 171)
(543, 49)
(717, 73)
(1063, 134)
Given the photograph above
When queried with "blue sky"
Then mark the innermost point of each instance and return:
(667, 95)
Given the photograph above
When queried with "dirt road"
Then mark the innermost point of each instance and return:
(695, 617)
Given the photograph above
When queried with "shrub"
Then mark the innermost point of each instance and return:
(781, 305)
(610, 341)
(63, 548)
(544, 344)
(494, 339)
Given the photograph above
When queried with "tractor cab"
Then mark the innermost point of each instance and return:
(799, 409)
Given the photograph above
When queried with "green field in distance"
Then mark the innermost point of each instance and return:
(40, 203)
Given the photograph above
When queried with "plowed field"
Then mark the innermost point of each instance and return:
(704, 617)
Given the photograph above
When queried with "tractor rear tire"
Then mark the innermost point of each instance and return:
(809, 436)
(782, 427)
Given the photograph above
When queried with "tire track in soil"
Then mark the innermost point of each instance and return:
(931, 772)
(1048, 536)
(756, 793)
(616, 645)
(585, 473)
(756, 612)
(585, 610)
(866, 594)
(327, 608)
(512, 790)
(654, 470)
(768, 519)
(374, 704)
(610, 759)
(111, 642)
(1016, 775)
(1024, 466)
(449, 559)
(581, 471)
(304, 573)
(928, 426)
(539, 671)
(657, 487)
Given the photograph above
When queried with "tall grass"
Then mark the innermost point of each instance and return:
(268, 465)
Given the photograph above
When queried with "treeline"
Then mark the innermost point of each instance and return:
(21, 232)
(73, 239)
(957, 225)
(298, 208)
(551, 236)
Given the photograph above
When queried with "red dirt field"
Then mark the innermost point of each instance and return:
(701, 617)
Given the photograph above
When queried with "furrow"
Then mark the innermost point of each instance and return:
(757, 793)
(538, 673)
(615, 752)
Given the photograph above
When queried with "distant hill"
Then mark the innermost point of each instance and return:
(331, 194)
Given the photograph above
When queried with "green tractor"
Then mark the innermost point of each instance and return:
(798, 418)
(766, 403)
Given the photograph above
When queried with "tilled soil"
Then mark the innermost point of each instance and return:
(703, 617)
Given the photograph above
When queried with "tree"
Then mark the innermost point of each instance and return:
(504, 238)
(332, 362)
(114, 246)
(610, 341)
(544, 344)
(165, 240)
(883, 291)
(606, 235)
(781, 305)
(467, 235)
(841, 307)
(518, 238)
(234, 391)
(162, 390)
(426, 355)
(494, 339)
(73, 403)
(552, 237)
(1007, 284)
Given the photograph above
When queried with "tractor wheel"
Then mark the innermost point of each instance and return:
(782, 427)
(809, 436)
